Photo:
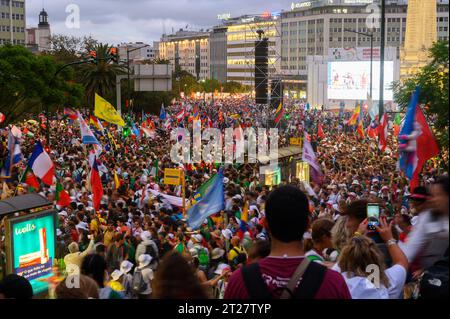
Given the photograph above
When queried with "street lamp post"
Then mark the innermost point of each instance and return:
(370, 35)
(128, 69)
(382, 46)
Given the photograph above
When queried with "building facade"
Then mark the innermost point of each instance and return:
(242, 33)
(12, 22)
(188, 50)
(139, 51)
(218, 54)
(38, 39)
(312, 28)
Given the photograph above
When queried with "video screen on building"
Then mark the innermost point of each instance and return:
(350, 80)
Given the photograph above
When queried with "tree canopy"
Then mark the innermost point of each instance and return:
(27, 83)
(433, 80)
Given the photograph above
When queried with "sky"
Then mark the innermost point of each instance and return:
(118, 21)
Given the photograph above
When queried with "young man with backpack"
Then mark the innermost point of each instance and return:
(237, 253)
(142, 278)
(148, 246)
(286, 273)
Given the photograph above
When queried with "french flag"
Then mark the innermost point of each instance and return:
(41, 164)
(87, 137)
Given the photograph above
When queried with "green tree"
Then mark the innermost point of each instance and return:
(433, 80)
(66, 49)
(28, 85)
(210, 85)
(235, 87)
(100, 77)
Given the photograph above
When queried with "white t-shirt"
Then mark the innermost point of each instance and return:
(363, 288)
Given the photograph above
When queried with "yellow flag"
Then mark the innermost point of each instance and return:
(116, 180)
(105, 111)
(112, 139)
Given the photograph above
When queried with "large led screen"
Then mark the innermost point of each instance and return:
(350, 80)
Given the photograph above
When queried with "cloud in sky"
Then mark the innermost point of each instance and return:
(116, 21)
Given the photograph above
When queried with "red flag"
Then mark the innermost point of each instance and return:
(96, 186)
(360, 129)
(427, 146)
(383, 133)
(31, 179)
(320, 132)
(62, 197)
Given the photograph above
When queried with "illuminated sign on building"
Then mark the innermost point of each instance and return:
(301, 5)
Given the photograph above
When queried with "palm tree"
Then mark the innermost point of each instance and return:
(100, 77)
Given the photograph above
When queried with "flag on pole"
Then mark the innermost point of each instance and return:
(70, 113)
(30, 179)
(96, 123)
(372, 130)
(203, 189)
(196, 113)
(62, 197)
(167, 124)
(397, 124)
(356, 115)
(310, 157)
(360, 129)
(105, 111)
(96, 186)
(14, 155)
(279, 113)
(116, 180)
(87, 137)
(180, 116)
(162, 113)
(320, 132)
(416, 142)
(383, 133)
(41, 164)
(213, 202)
(148, 132)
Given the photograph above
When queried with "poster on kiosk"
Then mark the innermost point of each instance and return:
(31, 247)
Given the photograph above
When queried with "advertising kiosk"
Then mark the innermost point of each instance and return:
(30, 239)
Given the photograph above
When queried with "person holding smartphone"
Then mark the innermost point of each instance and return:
(362, 265)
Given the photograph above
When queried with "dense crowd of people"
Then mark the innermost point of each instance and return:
(139, 243)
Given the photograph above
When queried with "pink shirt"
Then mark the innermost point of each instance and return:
(277, 271)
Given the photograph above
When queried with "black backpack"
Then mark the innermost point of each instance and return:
(434, 281)
(310, 278)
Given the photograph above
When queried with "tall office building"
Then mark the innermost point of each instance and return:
(242, 33)
(318, 28)
(189, 50)
(218, 54)
(12, 21)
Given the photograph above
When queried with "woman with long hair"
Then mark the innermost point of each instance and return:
(176, 279)
(362, 265)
